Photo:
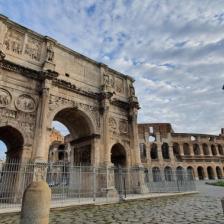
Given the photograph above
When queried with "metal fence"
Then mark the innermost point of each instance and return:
(85, 184)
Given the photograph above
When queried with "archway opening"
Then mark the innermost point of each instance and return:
(213, 149)
(186, 149)
(165, 151)
(3, 150)
(201, 174)
(168, 173)
(196, 149)
(219, 172)
(205, 149)
(118, 155)
(220, 149)
(156, 174)
(176, 151)
(72, 137)
(12, 143)
(154, 151)
(190, 173)
(210, 172)
(180, 173)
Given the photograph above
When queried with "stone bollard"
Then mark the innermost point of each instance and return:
(36, 204)
(222, 201)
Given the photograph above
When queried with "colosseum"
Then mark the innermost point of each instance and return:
(164, 151)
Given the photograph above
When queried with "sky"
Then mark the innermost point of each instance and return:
(173, 48)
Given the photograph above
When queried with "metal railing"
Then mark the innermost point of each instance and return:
(85, 184)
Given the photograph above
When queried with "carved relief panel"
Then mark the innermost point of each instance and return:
(25, 103)
(119, 85)
(33, 48)
(118, 127)
(123, 126)
(13, 41)
(5, 98)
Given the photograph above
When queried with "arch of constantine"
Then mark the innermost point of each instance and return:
(42, 81)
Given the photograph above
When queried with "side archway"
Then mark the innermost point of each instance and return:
(118, 155)
(14, 142)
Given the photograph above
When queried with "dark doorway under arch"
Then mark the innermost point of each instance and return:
(219, 172)
(14, 142)
(201, 173)
(210, 171)
(190, 173)
(118, 155)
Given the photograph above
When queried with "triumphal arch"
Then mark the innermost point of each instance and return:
(42, 81)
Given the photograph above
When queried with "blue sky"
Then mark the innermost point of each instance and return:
(174, 49)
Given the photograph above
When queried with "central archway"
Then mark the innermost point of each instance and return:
(118, 155)
(80, 137)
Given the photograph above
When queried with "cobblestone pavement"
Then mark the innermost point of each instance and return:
(203, 208)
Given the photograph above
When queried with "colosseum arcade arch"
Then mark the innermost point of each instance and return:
(201, 173)
(14, 142)
(211, 174)
(218, 172)
(81, 134)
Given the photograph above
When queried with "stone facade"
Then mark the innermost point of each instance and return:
(200, 154)
(42, 81)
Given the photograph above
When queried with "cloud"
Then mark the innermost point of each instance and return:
(173, 50)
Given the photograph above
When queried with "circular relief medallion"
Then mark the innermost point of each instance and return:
(5, 98)
(25, 103)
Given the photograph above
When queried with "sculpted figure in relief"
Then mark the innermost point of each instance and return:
(33, 49)
(5, 98)
(50, 52)
(112, 123)
(123, 126)
(14, 41)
